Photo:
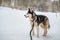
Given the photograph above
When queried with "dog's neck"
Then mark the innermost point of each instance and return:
(32, 17)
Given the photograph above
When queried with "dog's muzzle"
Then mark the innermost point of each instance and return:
(26, 16)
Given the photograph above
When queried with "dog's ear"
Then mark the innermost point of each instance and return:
(29, 10)
(33, 13)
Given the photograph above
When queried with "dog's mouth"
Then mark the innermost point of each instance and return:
(26, 16)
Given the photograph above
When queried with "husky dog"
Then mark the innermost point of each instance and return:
(38, 21)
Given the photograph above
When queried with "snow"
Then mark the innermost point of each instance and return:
(14, 26)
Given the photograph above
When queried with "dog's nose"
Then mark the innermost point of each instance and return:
(24, 15)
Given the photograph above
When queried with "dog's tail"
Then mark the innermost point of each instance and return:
(48, 23)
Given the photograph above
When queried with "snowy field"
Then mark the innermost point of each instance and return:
(14, 26)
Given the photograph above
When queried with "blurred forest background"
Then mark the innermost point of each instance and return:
(39, 5)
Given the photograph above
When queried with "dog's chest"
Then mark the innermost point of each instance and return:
(33, 22)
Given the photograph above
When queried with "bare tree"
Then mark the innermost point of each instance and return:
(12, 3)
(0, 2)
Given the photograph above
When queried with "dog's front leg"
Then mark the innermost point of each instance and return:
(31, 23)
(38, 31)
(31, 31)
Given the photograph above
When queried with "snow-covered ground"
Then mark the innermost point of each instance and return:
(14, 26)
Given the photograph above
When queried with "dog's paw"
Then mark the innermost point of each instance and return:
(44, 35)
(37, 36)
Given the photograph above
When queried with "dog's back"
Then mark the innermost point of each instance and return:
(41, 19)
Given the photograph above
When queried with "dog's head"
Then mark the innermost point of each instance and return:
(30, 13)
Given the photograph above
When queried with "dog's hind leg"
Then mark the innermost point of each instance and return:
(45, 31)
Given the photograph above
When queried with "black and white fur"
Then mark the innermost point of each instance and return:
(37, 21)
